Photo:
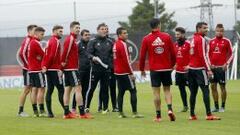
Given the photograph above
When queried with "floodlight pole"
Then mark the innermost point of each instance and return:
(74, 11)
(155, 8)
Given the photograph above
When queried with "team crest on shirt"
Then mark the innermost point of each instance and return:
(159, 50)
(179, 54)
(157, 42)
(216, 50)
(98, 44)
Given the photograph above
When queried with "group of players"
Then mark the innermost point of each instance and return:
(196, 63)
(80, 66)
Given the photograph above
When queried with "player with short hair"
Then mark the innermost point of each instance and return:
(124, 73)
(161, 55)
(22, 58)
(182, 47)
(70, 65)
(51, 65)
(220, 55)
(37, 78)
(199, 71)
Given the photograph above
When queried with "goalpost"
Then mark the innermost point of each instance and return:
(234, 70)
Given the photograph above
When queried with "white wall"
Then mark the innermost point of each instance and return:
(17, 81)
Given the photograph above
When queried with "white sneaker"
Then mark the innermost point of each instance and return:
(43, 114)
(221, 110)
(136, 115)
(122, 115)
(105, 111)
(22, 114)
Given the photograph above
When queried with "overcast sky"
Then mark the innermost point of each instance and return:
(15, 15)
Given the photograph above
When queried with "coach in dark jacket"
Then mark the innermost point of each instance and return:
(112, 84)
(100, 54)
(84, 65)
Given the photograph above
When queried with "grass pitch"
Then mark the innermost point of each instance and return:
(110, 124)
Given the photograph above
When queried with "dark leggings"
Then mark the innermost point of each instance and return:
(113, 95)
(103, 78)
(51, 77)
(183, 94)
(194, 91)
(133, 99)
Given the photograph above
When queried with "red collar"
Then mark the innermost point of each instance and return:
(219, 38)
(74, 35)
(157, 31)
(36, 38)
(29, 36)
(55, 36)
(198, 34)
(121, 39)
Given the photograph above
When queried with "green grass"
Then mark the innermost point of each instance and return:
(111, 125)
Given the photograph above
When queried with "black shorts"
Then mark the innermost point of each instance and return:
(160, 77)
(54, 78)
(72, 78)
(37, 80)
(125, 82)
(197, 77)
(219, 76)
(181, 78)
(26, 78)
